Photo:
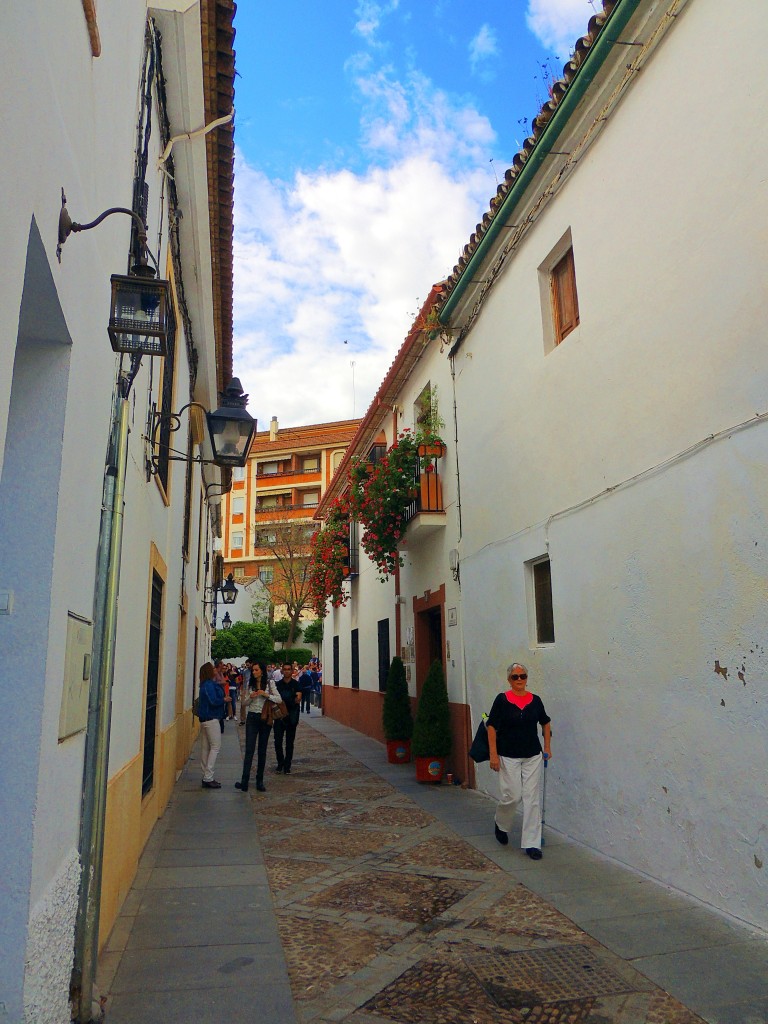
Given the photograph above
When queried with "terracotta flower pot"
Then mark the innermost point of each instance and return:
(398, 751)
(430, 769)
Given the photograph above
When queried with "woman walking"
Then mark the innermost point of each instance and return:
(516, 754)
(211, 709)
(260, 689)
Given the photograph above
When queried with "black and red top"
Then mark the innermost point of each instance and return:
(517, 734)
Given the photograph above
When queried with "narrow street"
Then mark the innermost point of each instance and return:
(349, 892)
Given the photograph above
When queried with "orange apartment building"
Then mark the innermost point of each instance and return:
(288, 471)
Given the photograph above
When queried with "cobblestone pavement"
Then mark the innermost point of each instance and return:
(388, 917)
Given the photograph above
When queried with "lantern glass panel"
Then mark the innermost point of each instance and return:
(231, 432)
(138, 321)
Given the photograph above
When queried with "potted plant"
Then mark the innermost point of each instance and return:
(428, 427)
(432, 739)
(396, 715)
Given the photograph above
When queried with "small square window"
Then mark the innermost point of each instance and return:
(238, 473)
(238, 506)
(237, 540)
(266, 575)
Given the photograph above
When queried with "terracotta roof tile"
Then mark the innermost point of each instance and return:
(557, 92)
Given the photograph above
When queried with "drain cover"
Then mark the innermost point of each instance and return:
(543, 975)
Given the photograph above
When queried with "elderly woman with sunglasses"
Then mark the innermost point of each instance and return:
(516, 754)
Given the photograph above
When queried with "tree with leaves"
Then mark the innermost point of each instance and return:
(432, 727)
(290, 549)
(313, 634)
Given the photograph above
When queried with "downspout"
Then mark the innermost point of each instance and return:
(96, 761)
(595, 58)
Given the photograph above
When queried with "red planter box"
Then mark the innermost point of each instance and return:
(430, 769)
(398, 751)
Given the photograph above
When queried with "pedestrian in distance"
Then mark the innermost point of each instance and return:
(516, 754)
(211, 706)
(285, 728)
(260, 689)
(305, 683)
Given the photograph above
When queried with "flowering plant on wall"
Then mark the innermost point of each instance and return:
(329, 560)
(379, 497)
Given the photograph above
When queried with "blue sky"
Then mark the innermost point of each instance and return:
(369, 136)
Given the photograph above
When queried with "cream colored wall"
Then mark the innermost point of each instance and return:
(589, 454)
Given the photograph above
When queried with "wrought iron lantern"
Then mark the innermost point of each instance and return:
(139, 314)
(231, 428)
(229, 590)
(226, 622)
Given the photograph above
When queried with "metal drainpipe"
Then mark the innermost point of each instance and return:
(99, 712)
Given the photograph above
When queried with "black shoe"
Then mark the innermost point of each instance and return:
(278, 769)
(533, 853)
(241, 786)
(260, 787)
(502, 837)
(213, 784)
(286, 771)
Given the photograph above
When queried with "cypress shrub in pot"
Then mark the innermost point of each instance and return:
(432, 740)
(396, 715)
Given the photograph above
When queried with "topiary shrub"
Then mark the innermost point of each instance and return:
(396, 714)
(432, 727)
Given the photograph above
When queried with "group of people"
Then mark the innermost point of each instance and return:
(222, 686)
(513, 724)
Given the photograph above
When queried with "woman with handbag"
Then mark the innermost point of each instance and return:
(258, 725)
(516, 754)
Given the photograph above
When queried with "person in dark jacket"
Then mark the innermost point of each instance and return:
(305, 683)
(260, 689)
(285, 728)
(211, 709)
(516, 754)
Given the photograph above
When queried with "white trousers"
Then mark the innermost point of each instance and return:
(210, 745)
(521, 779)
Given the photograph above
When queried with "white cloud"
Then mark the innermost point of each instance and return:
(335, 257)
(558, 24)
(482, 47)
(369, 17)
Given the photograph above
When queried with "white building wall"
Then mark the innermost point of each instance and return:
(69, 120)
(655, 754)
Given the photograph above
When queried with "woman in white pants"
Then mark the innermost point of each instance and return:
(516, 754)
(211, 710)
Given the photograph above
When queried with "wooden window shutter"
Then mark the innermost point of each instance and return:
(565, 301)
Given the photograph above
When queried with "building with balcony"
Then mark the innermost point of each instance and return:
(412, 611)
(268, 517)
(606, 389)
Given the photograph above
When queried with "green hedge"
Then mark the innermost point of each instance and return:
(300, 654)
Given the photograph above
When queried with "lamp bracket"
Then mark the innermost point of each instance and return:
(67, 226)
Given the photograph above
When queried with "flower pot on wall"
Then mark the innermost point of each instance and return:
(398, 751)
(435, 450)
(430, 769)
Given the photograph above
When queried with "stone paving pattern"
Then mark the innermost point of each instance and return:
(387, 917)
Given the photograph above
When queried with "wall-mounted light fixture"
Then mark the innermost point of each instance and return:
(226, 622)
(139, 308)
(453, 562)
(230, 427)
(227, 589)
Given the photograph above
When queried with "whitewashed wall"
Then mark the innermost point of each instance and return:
(658, 760)
(69, 120)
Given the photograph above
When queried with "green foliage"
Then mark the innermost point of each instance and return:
(243, 640)
(300, 654)
(432, 728)
(313, 634)
(281, 630)
(224, 645)
(396, 715)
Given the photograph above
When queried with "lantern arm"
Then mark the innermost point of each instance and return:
(67, 226)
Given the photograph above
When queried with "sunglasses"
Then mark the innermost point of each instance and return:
(523, 675)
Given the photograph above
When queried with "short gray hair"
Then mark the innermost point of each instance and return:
(514, 665)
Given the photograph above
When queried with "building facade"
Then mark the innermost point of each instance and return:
(268, 517)
(607, 356)
(116, 491)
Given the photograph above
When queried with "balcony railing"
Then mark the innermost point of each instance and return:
(263, 509)
(428, 495)
(261, 475)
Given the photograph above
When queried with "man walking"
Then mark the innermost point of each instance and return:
(285, 728)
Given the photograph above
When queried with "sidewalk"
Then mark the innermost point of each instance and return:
(349, 892)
